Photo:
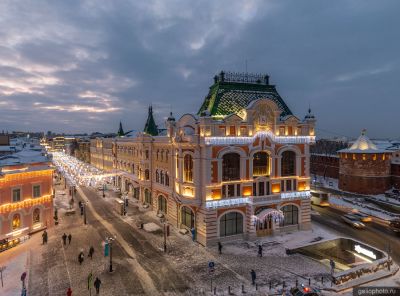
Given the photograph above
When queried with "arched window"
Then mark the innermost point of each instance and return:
(147, 197)
(157, 176)
(147, 154)
(146, 175)
(187, 217)
(231, 224)
(166, 179)
(288, 164)
(188, 168)
(260, 164)
(231, 167)
(16, 221)
(162, 177)
(290, 214)
(36, 216)
(162, 204)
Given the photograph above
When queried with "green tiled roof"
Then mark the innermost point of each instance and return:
(228, 97)
(150, 126)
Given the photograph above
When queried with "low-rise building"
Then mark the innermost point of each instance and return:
(26, 194)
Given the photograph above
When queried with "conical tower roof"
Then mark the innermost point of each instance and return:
(363, 145)
(150, 126)
(120, 132)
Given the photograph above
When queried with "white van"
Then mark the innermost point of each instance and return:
(320, 198)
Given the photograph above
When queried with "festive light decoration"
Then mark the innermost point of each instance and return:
(17, 232)
(227, 202)
(263, 135)
(27, 203)
(364, 251)
(296, 194)
(78, 172)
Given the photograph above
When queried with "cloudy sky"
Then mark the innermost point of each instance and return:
(82, 66)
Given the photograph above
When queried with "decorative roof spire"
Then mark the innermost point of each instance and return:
(120, 132)
(170, 117)
(150, 126)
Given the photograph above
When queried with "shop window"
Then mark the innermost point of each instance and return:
(288, 163)
(36, 216)
(260, 164)
(16, 221)
(231, 167)
(147, 197)
(187, 217)
(231, 224)
(290, 214)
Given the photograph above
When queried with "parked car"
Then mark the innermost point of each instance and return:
(395, 225)
(362, 217)
(304, 291)
(353, 221)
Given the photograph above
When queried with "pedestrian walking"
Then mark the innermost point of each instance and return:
(193, 231)
(91, 251)
(260, 250)
(253, 277)
(89, 280)
(81, 257)
(44, 237)
(219, 248)
(97, 284)
(64, 238)
(69, 238)
(69, 292)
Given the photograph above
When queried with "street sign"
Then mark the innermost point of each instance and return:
(211, 266)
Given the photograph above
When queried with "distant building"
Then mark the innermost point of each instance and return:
(26, 194)
(364, 167)
(239, 168)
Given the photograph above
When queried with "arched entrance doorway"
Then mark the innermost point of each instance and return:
(231, 224)
(147, 197)
(187, 217)
(267, 220)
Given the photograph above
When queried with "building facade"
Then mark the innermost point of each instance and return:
(239, 168)
(26, 199)
(101, 155)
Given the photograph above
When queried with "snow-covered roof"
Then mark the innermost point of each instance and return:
(363, 145)
(24, 156)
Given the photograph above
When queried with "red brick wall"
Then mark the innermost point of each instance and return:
(364, 185)
(327, 166)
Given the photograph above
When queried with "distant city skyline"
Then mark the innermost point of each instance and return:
(82, 66)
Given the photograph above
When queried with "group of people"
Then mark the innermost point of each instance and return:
(81, 255)
(64, 238)
(96, 284)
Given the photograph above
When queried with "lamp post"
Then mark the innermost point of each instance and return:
(109, 241)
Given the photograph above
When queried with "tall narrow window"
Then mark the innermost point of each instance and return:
(166, 179)
(231, 167)
(36, 191)
(147, 175)
(187, 217)
(291, 215)
(162, 177)
(157, 176)
(188, 168)
(162, 204)
(288, 164)
(16, 195)
(260, 164)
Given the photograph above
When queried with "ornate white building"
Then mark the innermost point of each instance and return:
(239, 168)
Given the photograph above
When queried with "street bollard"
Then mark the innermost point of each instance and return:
(309, 281)
(215, 290)
(243, 289)
(297, 282)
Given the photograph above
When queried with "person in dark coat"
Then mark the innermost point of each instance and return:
(260, 250)
(69, 292)
(44, 237)
(69, 238)
(91, 251)
(64, 238)
(97, 284)
(219, 247)
(81, 257)
(253, 277)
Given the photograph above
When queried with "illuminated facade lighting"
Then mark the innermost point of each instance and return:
(262, 135)
(296, 194)
(227, 202)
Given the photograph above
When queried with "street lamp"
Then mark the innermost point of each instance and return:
(109, 241)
